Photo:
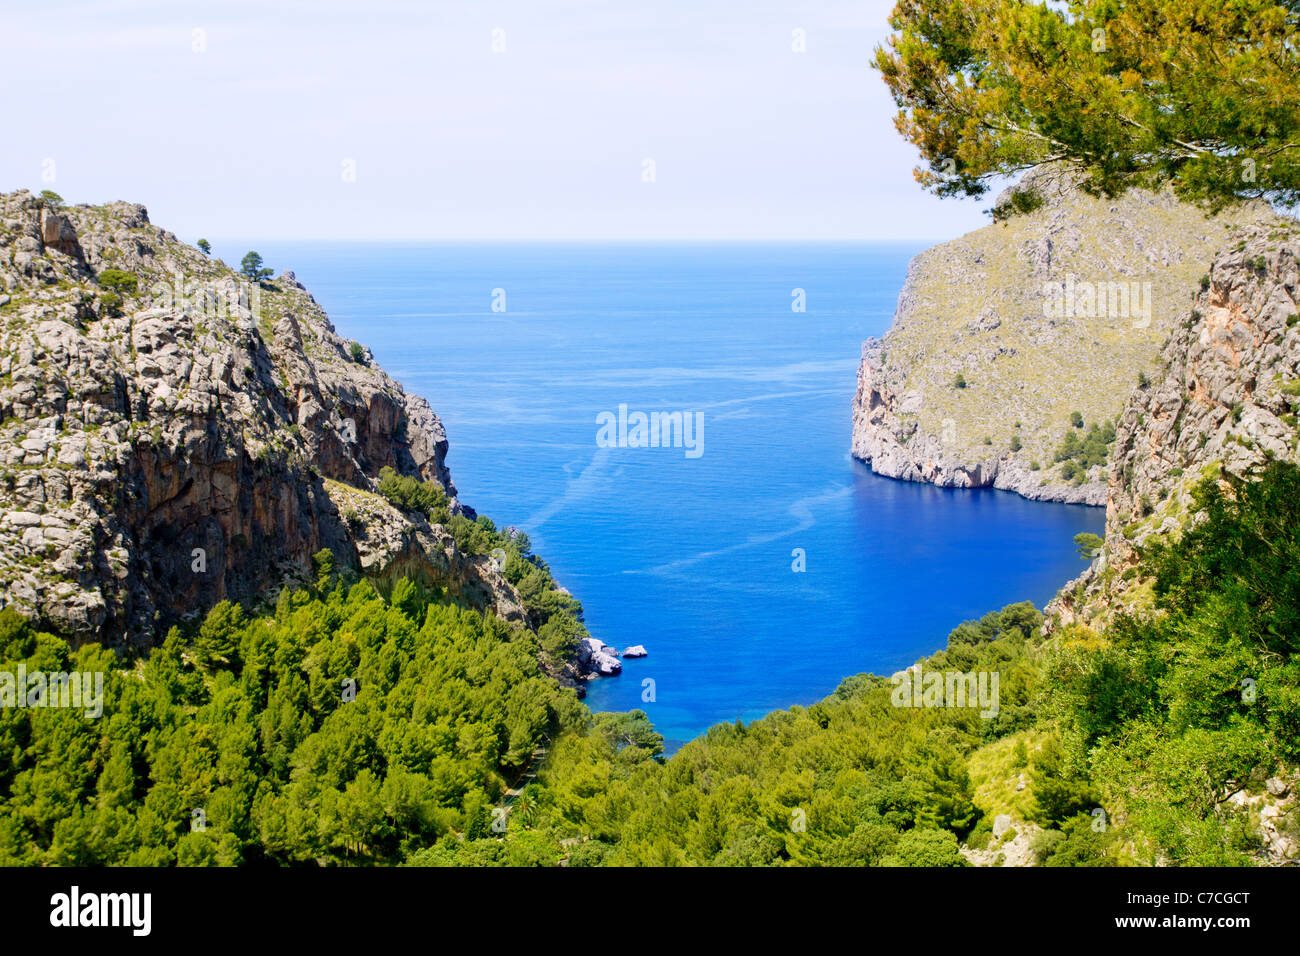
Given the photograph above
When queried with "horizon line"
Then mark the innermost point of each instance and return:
(625, 240)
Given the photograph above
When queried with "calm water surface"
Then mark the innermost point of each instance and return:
(692, 557)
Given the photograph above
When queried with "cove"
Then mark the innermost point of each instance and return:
(695, 558)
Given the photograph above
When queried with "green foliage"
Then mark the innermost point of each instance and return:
(51, 198)
(248, 722)
(1020, 202)
(1081, 454)
(925, 847)
(1058, 792)
(412, 494)
(116, 284)
(1087, 545)
(357, 353)
(1171, 713)
(1138, 733)
(323, 567)
(205, 247)
(851, 781)
(555, 614)
(1079, 842)
(250, 267)
(1194, 92)
(1019, 755)
(119, 281)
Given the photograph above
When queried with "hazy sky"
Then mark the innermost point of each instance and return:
(240, 118)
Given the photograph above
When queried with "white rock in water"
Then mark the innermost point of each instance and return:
(636, 650)
(598, 656)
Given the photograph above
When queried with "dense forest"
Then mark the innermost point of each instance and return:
(343, 727)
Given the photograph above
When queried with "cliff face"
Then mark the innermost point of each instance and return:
(171, 434)
(1000, 335)
(1225, 402)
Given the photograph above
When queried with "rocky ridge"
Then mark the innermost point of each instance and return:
(1000, 335)
(172, 434)
(1225, 402)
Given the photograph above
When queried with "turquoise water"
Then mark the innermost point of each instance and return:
(692, 557)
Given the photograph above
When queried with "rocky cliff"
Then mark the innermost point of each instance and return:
(1002, 334)
(1225, 401)
(172, 434)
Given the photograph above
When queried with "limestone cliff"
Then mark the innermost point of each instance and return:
(1224, 402)
(172, 434)
(1002, 334)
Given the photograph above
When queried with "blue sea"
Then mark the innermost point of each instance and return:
(692, 557)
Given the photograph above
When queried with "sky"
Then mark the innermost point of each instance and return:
(468, 119)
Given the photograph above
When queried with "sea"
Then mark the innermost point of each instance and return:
(757, 562)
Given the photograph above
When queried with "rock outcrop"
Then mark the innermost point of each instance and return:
(1225, 401)
(1002, 334)
(597, 657)
(1274, 813)
(172, 434)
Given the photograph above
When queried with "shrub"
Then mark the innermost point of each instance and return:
(1087, 545)
(250, 267)
(1090, 450)
(1021, 202)
(119, 281)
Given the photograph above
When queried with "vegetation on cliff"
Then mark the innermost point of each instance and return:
(554, 613)
(341, 728)
(1009, 331)
(174, 433)
(1128, 743)
(1114, 112)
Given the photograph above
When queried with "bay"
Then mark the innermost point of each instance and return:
(692, 557)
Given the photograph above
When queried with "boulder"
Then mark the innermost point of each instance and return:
(58, 233)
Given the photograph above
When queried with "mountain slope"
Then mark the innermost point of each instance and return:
(1002, 334)
(1224, 404)
(172, 434)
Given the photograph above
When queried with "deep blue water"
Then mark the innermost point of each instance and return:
(692, 558)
